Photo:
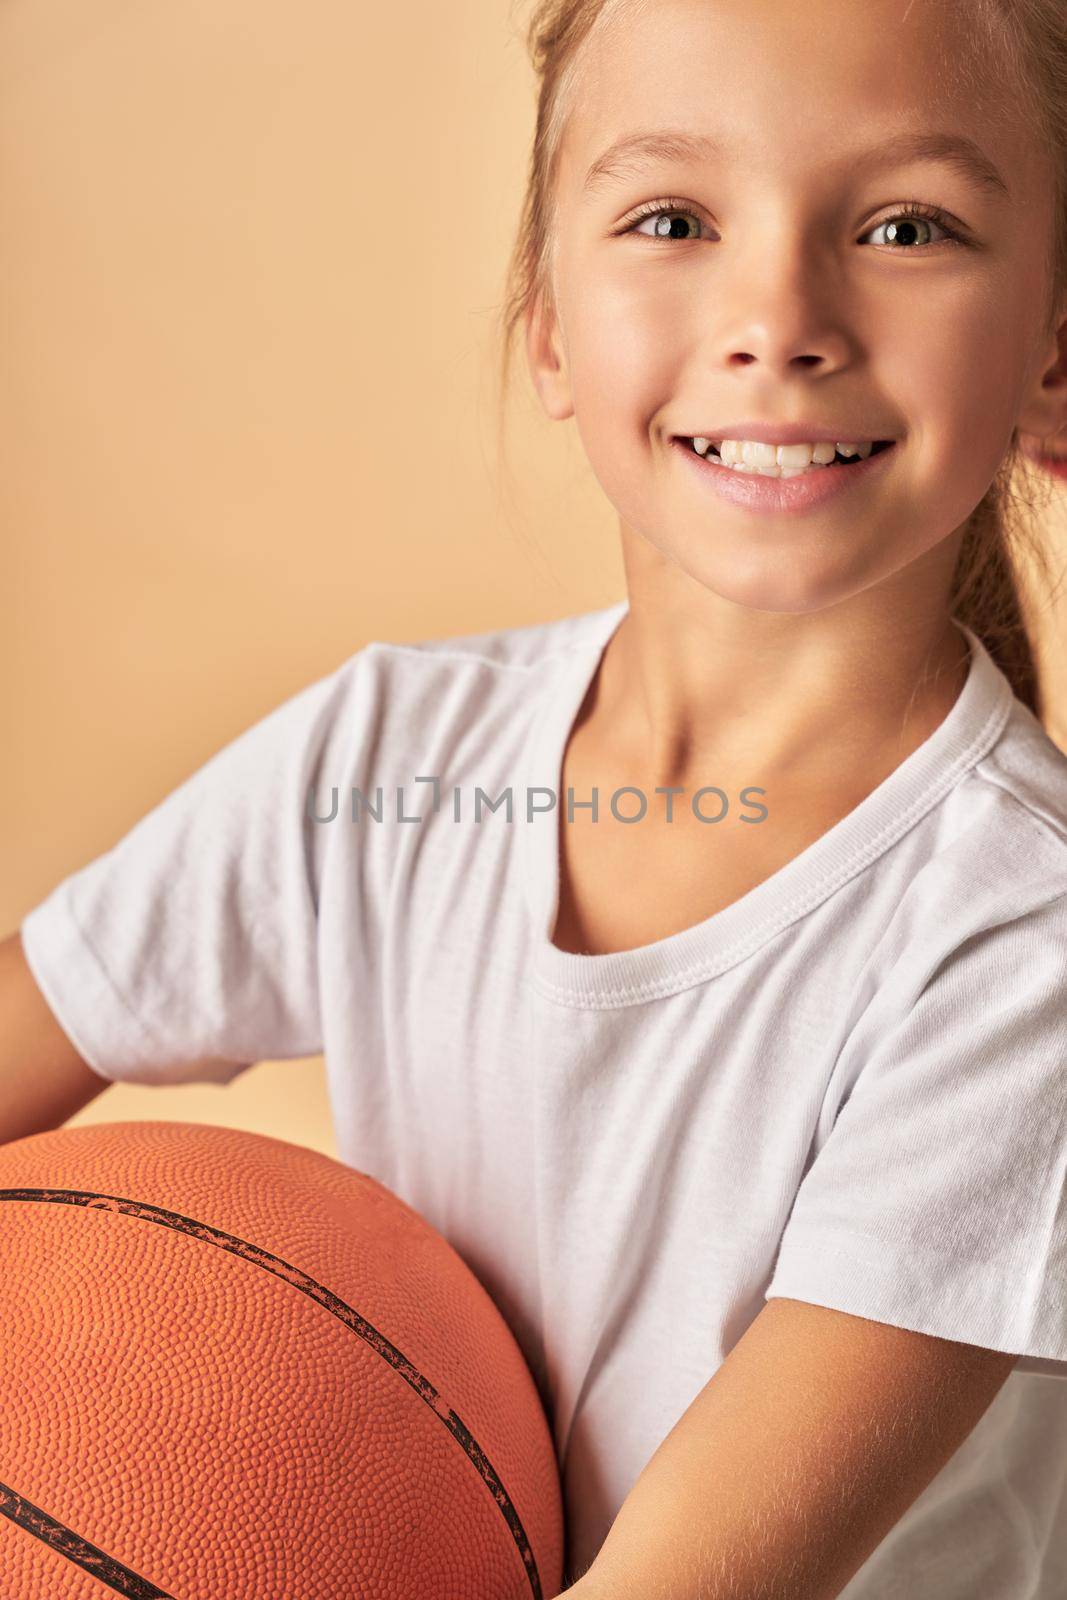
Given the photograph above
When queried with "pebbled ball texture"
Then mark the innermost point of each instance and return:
(236, 1369)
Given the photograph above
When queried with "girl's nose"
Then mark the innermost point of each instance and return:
(808, 359)
(786, 343)
(784, 315)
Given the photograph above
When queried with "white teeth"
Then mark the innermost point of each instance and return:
(754, 454)
(782, 460)
(861, 450)
(803, 455)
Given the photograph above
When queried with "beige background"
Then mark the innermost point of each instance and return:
(251, 256)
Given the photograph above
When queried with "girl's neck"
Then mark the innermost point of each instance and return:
(675, 701)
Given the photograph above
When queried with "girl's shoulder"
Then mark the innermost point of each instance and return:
(985, 866)
(1027, 771)
(993, 786)
(525, 647)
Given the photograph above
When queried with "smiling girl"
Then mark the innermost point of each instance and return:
(734, 1063)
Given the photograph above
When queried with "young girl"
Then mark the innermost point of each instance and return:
(701, 973)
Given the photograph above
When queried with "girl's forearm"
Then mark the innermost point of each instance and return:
(794, 1461)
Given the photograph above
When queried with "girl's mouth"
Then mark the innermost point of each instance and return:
(852, 456)
(802, 489)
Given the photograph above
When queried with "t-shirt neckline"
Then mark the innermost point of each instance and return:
(700, 952)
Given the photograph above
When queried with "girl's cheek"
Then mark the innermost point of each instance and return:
(625, 361)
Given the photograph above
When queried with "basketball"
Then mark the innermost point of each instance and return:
(236, 1369)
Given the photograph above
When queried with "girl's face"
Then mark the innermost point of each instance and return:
(778, 294)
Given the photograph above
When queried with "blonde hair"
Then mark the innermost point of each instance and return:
(1029, 38)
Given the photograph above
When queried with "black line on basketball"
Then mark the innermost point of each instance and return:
(65, 1542)
(315, 1291)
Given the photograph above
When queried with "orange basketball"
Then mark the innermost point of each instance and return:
(235, 1369)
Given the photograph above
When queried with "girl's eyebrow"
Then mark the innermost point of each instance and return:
(634, 151)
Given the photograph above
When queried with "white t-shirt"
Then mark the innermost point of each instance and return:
(848, 1087)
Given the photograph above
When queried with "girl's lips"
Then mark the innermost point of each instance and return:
(802, 493)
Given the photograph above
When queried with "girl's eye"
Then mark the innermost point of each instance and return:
(911, 220)
(907, 230)
(664, 214)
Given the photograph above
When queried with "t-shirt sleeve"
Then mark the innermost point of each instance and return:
(937, 1202)
(189, 951)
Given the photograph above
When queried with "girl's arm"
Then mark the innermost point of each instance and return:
(43, 1079)
(794, 1461)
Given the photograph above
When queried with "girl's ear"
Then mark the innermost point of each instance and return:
(1045, 413)
(547, 359)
